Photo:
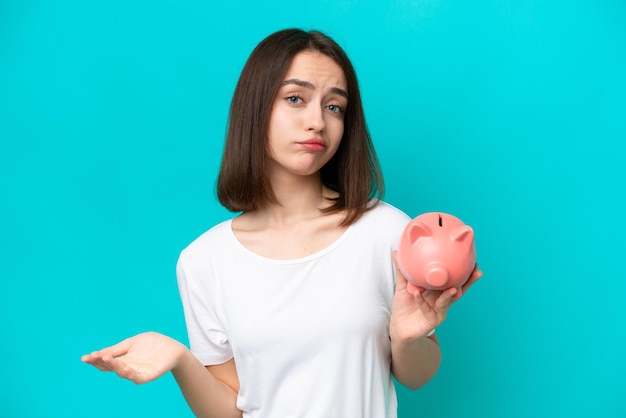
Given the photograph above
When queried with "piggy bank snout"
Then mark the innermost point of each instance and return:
(436, 275)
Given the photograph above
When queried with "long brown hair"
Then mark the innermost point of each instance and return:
(353, 172)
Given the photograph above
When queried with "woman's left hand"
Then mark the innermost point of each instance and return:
(415, 313)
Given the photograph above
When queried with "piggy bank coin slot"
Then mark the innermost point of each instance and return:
(440, 221)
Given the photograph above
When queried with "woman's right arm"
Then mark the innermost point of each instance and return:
(209, 391)
(206, 394)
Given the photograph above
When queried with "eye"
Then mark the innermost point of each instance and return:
(336, 108)
(294, 99)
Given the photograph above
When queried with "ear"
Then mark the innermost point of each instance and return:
(418, 230)
(463, 234)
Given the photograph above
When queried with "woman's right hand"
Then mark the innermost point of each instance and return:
(141, 358)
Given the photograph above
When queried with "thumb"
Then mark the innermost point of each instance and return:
(401, 281)
(118, 349)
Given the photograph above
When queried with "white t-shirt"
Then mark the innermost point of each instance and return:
(310, 336)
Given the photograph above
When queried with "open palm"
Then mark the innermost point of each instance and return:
(141, 358)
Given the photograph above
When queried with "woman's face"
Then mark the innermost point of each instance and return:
(307, 119)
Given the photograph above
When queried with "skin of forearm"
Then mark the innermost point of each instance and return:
(207, 396)
(415, 362)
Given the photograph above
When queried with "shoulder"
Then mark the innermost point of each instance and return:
(386, 213)
(383, 219)
(208, 243)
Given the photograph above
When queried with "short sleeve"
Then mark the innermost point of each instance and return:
(200, 299)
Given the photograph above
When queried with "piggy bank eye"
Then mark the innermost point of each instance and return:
(440, 221)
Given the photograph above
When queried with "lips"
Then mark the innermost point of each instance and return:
(314, 141)
(314, 144)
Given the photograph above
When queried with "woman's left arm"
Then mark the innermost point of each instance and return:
(415, 355)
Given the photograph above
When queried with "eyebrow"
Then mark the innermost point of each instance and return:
(308, 85)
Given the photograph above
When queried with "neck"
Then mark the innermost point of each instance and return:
(300, 198)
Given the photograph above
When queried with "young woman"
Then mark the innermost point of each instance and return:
(295, 307)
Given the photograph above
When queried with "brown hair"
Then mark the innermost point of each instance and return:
(353, 172)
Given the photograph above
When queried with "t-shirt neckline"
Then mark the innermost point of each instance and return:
(336, 243)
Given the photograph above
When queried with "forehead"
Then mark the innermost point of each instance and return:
(317, 68)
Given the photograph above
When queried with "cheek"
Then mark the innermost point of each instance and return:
(275, 130)
(335, 133)
(335, 145)
(279, 122)
(334, 128)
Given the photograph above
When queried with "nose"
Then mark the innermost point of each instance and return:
(315, 118)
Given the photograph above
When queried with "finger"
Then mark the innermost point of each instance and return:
(424, 305)
(444, 301)
(95, 359)
(118, 349)
(433, 315)
(115, 350)
(476, 274)
(119, 366)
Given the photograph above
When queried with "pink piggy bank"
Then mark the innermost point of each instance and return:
(437, 251)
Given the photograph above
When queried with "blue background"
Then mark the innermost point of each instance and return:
(510, 114)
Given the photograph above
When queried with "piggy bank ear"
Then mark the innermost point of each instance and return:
(418, 230)
(464, 234)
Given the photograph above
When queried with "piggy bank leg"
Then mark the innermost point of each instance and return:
(412, 287)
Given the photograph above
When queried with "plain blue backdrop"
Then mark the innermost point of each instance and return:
(510, 114)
